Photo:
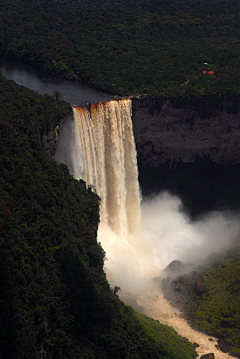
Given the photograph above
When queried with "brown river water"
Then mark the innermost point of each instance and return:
(157, 307)
(154, 303)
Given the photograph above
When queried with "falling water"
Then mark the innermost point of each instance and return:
(98, 146)
(104, 155)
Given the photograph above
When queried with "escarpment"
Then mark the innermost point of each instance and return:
(190, 147)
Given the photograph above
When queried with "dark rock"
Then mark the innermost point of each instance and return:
(182, 128)
(50, 136)
(199, 286)
(207, 356)
(195, 345)
(186, 146)
(176, 268)
(224, 346)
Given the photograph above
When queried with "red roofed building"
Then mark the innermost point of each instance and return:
(208, 72)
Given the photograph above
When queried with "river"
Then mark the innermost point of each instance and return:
(154, 303)
(73, 92)
(157, 307)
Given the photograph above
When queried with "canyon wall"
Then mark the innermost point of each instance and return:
(50, 136)
(168, 130)
(190, 147)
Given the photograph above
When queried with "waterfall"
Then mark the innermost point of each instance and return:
(98, 146)
(103, 154)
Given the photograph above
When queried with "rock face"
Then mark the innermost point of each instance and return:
(207, 356)
(176, 268)
(173, 129)
(190, 147)
(50, 136)
(224, 346)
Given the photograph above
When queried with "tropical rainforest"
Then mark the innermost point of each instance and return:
(209, 297)
(55, 300)
(153, 47)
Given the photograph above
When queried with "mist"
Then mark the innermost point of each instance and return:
(92, 147)
(69, 143)
(165, 233)
(140, 237)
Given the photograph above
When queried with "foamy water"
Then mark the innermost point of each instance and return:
(157, 307)
(99, 147)
(103, 153)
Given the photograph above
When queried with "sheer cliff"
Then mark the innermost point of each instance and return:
(190, 147)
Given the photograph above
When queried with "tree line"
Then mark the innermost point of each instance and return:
(130, 47)
(55, 301)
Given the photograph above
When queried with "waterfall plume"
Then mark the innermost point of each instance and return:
(104, 155)
(98, 146)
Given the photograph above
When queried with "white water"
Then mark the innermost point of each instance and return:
(109, 161)
(98, 146)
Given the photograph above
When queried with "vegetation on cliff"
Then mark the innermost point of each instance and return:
(210, 298)
(125, 47)
(55, 301)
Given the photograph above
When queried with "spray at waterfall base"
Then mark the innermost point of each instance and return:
(140, 241)
(164, 234)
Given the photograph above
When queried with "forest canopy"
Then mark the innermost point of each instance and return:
(55, 300)
(209, 296)
(128, 47)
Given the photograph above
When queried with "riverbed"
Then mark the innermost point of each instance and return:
(154, 304)
(157, 307)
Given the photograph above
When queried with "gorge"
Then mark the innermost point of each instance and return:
(148, 256)
(188, 146)
(120, 179)
(98, 146)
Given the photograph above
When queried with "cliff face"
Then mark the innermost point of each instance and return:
(190, 147)
(168, 130)
(50, 136)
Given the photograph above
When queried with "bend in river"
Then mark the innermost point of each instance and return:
(157, 307)
(75, 93)
(155, 304)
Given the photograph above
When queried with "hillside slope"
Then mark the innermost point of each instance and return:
(209, 297)
(55, 301)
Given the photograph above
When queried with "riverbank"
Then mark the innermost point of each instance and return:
(157, 307)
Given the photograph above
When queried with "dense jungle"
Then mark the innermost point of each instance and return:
(55, 299)
(128, 47)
